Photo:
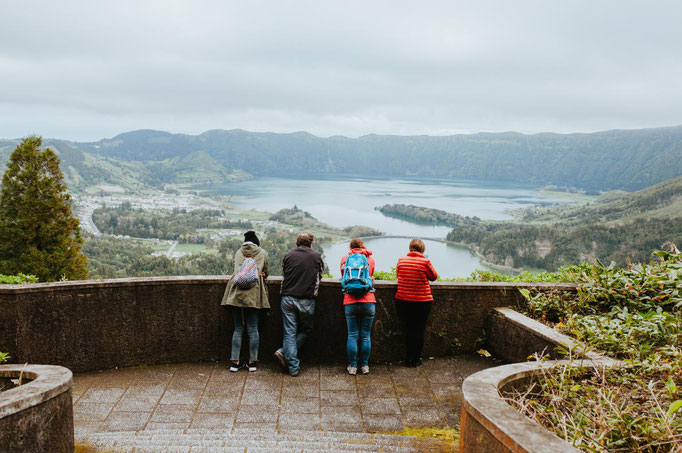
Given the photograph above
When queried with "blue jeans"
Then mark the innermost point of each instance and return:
(359, 318)
(242, 316)
(297, 322)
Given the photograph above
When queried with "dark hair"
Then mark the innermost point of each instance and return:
(250, 236)
(357, 244)
(305, 239)
(417, 245)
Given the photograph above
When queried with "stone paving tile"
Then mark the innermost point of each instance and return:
(218, 404)
(299, 388)
(256, 414)
(341, 415)
(343, 427)
(307, 422)
(270, 426)
(161, 372)
(222, 421)
(182, 396)
(337, 383)
(383, 391)
(137, 403)
(418, 399)
(91, 411)
(198, 381)
(174, 413)
(382, 406)
(383, 423)
(82, 428)
(423, 417)
(162, 449)
(338, 398)
(300, 406)
(126, 421)
(261, 398)
(162, 426)
(467, 365)
(102, 394)
(225, 388)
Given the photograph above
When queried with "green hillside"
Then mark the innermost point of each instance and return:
(629, 228)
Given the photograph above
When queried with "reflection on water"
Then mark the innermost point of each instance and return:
(342, 202)
(449, 260)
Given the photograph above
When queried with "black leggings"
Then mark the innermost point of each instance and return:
(413, 317)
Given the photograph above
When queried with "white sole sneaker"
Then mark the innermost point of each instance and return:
(364, 370)
(352, 370)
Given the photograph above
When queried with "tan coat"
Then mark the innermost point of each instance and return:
(256, 297)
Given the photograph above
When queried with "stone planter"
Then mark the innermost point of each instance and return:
(38, 415)
(491, 424)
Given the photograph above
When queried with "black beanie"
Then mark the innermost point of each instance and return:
(250, 236)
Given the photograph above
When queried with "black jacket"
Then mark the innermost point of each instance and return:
(302, 268)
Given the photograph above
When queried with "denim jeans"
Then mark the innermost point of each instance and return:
(297, 322)
(359, 318)
(248, 317)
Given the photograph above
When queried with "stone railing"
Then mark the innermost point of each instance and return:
(102, 324)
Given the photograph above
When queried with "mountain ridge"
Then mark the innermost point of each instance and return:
(617, 159)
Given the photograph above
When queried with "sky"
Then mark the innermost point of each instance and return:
(86, 70)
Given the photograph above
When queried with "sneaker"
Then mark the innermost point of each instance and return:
(294, 374)
(234, 367)
(364, 369)
(280, 359)
(252, 366)
(352, 370)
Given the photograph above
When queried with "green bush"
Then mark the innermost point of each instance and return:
(17, 279)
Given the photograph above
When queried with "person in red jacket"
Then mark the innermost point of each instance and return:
(360, 312)
(413, 299)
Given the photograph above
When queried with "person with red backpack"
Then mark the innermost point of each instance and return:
(359, 304)
(246, 295)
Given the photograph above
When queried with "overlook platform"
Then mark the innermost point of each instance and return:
(190, 407)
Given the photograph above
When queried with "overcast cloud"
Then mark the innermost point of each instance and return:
(88, 70)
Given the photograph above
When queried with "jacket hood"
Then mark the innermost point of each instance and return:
(249, 249)
(361, 251)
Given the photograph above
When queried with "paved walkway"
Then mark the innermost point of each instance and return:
(195, 403)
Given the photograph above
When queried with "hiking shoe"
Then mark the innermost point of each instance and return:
(252, 366)
(234, 367)
(280, 358)
(364, 369)
(352, 370)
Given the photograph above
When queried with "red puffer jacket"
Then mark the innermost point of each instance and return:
(367, 297)
(414, 272)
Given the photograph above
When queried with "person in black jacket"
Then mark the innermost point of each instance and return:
(302, 268)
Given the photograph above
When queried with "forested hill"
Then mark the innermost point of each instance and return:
(618, 159)
(628, 228)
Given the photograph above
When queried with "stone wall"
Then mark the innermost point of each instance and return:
(102, 324)
(37, 416)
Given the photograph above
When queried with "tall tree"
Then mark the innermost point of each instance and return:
(38, 233)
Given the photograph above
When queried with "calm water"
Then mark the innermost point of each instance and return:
(449, 260)
(341, 202)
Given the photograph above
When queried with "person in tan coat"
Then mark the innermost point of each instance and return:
(245, 304)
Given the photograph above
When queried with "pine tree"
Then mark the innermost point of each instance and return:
(38, 233)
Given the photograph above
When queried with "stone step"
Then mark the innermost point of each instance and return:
(256, 440)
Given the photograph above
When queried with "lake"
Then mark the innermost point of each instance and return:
(344, 201)
(449, 260)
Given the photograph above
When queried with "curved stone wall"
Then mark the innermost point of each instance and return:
(37, 416)
(488, 422)
(102, 324)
